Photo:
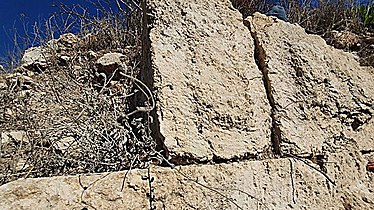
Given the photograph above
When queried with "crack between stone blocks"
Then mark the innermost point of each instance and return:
(147, 76)
(188, 159)
(364, 152)
(260, 58)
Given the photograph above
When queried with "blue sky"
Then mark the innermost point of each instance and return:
(12, 11)
(16, 13)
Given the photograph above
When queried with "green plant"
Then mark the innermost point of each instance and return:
(367, 14)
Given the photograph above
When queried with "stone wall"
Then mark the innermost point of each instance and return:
(261, 114)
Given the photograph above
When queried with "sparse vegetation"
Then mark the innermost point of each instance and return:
(329, 19)
(73, 117)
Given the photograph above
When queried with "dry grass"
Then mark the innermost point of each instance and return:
(325, 20)
(74, 120)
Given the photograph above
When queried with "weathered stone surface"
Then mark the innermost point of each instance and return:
(109, 62)
(19, 136)
(211, 100)
(35, 58)
(68, 40)
(269, 184)
(322, 95)
(212, 105)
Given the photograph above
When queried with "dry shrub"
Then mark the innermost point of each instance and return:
(76, 119)
(326, 19)
(329, 15)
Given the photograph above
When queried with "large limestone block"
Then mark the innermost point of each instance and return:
(322, 95)
(269, 184)
(211, 101)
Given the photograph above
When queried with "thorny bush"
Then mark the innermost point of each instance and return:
(75, 119)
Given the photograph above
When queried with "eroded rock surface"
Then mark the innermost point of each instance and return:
(211, 101)
(35, 58)
(269, 184)
(215, 103)
(322, 96)
(109, 62)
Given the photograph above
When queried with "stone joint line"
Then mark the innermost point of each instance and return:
(260, 58)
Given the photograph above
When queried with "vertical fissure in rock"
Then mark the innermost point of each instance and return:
(146, 75)
(260, 59)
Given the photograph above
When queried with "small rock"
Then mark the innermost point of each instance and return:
(21, 165)
(18, 136)
(67, 143)
(344, 39)
(92, 54)
(68, 40)
(77, 68)
(35, 58)
(110, 62)
(64, 60)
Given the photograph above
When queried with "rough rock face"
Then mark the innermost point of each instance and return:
(268, 184)
(109, 62)
(212, 103)
(38, 58)
(322, 97)
(311, 103)
(35, 58)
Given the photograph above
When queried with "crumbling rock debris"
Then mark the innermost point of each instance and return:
(68, 40)
(38, 58)
(344, 39)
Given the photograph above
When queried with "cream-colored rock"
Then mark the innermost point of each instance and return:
(68, 40)
(67, 144)
(211, 100)
(19, 136)
(212, 106)
(109, 62)
(322, 95)
(36, 58)
(269, 184)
